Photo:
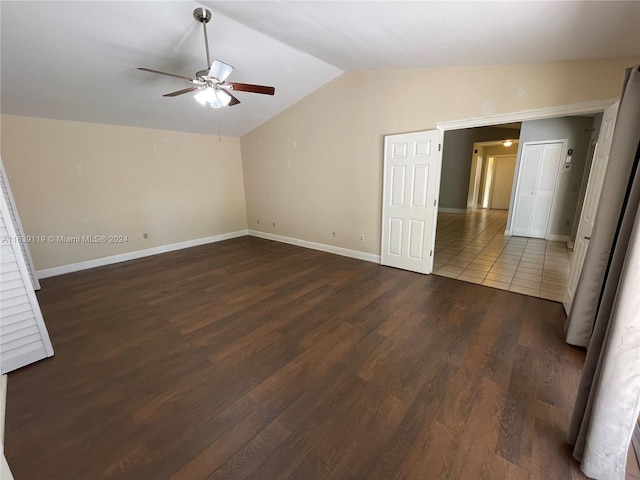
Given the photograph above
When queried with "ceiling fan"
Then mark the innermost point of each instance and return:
(211, 84)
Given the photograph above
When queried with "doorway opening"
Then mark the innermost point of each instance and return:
(493, 166)
(517, 223)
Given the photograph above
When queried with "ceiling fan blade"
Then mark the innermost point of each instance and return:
(247, 87)
(220, 70)
(234, 100)
(164, 73)
(180, 92)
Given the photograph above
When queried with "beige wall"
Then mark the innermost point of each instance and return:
(317, 166)
(71, 178)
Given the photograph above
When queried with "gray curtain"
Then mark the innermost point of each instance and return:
(605, 315)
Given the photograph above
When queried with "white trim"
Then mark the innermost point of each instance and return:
(525, 115)
(451, 210)
(557, 238)
(345, 252)
(123, 257)
(552, 237)
(437, 197)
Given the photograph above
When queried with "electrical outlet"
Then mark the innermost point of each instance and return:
(145, 235)
(274, 224)
(333, 234)
(258, 221)
(362, 238)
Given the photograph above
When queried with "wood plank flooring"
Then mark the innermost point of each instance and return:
(259, 360)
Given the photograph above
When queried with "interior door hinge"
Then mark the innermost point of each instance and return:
(430, 253)
(434, 203)
(439, 146)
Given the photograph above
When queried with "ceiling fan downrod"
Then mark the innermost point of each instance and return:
(203, 15)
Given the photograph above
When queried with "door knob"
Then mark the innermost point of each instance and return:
(587, 238)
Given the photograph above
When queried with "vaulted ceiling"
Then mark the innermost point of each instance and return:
(77, 60)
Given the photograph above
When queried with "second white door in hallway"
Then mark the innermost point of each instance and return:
(536, 187)
(504, 167)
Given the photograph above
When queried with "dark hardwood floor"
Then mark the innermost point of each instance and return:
(254, 359)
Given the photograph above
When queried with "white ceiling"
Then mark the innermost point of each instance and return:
(407, 34)
(77, 60)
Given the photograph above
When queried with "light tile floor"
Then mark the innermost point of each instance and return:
(472, 247)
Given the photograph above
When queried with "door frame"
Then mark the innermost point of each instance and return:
(474, 186)
(596, 173)
(594, 106)
(552, 211)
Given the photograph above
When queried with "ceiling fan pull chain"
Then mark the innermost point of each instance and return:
(218, 119)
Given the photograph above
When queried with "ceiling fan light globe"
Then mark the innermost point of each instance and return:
(214, 97)
(203, 96)
(223, 97)
(207, 95)
(220, 98)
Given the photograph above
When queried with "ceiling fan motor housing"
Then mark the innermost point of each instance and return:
(203, 15)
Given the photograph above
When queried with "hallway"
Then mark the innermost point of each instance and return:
(472, 247)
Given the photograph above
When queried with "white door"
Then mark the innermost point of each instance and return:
(504, 169)
(536, 188)
(410, 192)
(591, 200)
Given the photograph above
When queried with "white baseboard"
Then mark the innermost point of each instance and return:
(123, 257)
(552, 237)
(345, 252)
(451, 210)
(558, 238)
